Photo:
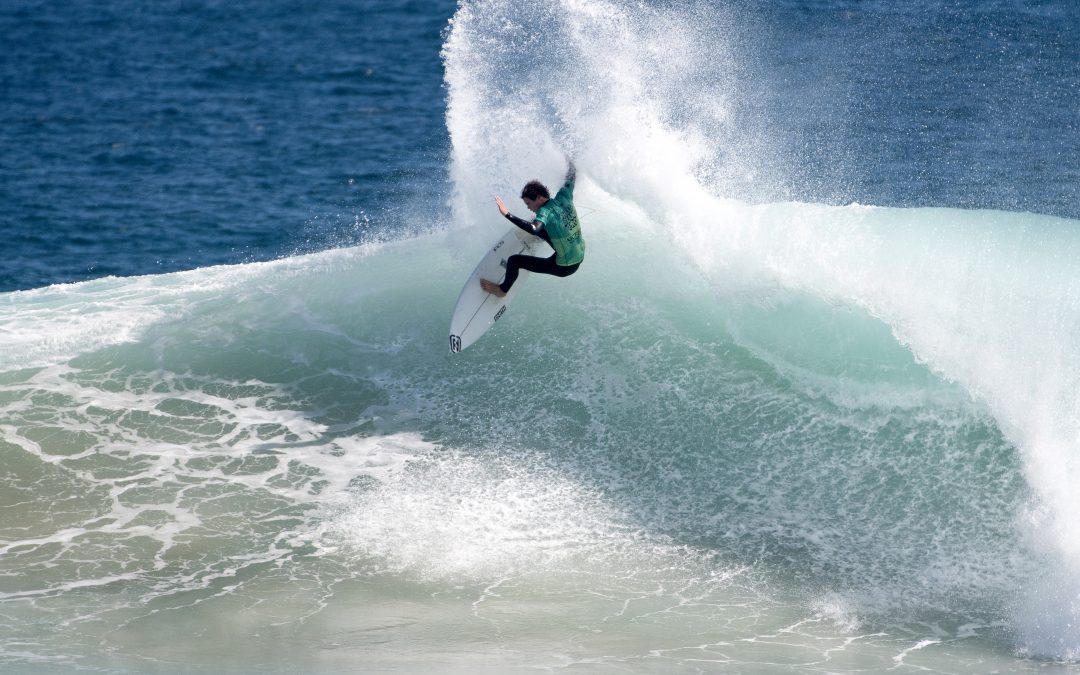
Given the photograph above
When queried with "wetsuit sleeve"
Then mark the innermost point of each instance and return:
(533, 227)
(571, 176)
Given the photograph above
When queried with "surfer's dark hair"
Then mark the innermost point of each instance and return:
(534, 189)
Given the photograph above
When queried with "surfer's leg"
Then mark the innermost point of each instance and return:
(516, 263)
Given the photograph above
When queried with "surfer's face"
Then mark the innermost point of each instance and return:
(534, 204)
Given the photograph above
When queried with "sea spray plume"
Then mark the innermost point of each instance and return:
(641, 96)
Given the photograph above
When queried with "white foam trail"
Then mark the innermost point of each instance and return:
(462, 517)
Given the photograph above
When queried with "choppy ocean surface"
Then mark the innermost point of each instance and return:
(810, 405)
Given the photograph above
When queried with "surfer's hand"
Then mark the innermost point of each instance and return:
(502, 207)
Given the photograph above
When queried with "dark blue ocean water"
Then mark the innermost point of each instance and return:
(147, 137)
(151, 136)
(963, 103)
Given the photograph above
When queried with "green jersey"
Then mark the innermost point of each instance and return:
(561, 223)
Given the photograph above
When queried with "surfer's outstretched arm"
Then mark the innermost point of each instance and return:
(533, 227)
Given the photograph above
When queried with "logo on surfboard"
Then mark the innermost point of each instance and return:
(455, 344)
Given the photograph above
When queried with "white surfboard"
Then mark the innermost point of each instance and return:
(477, 310)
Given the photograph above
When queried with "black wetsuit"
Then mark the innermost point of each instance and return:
(516, 263)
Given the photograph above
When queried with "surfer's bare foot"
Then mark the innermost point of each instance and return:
(492, 287)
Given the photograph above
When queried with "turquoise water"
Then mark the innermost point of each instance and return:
(240, 468)
(754, 433)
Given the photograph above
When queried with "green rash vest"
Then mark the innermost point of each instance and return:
(561, 223)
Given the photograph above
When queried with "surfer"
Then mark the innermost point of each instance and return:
(556, 222)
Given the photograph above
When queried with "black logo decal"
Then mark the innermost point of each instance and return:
(455, 343)
(502, 310)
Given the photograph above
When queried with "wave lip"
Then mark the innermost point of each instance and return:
(987, 302)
